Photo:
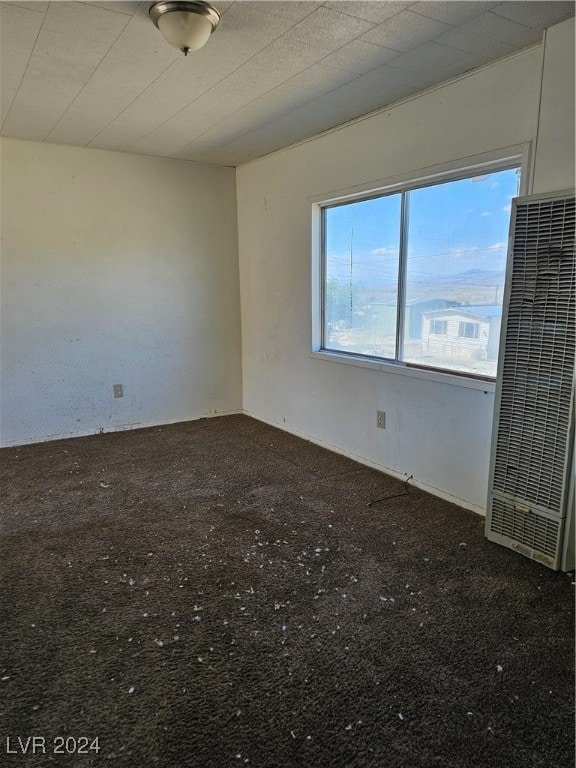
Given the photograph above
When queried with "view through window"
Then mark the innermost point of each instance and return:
(417, 276)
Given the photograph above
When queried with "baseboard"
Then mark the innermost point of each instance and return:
(115, 428)
(374, 465)
(298, 433)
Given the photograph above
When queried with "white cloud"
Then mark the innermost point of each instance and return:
(497, 246)
(386, 251)
(463, 251)
(485, 213)
(507, 208)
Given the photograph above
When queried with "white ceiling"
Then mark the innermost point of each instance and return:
(99, 74)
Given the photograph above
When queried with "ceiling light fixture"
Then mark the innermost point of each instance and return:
(186, 26)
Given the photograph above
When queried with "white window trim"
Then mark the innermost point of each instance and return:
(518, 154)
(387, 366)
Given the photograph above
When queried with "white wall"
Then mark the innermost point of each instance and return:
(438, 432)
(116, 269)
(555, 143)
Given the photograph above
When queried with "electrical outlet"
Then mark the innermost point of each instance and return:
(381, 419)
(118, 390)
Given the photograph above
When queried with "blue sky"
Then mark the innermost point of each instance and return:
(454, 227)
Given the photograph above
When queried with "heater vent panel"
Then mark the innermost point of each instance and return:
(530, 458)
(529, 532)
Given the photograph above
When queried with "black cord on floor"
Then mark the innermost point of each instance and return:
(405, 492)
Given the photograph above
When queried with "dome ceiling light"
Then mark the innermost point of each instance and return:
(186, 26)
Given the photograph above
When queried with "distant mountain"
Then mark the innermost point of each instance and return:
(481, 272)
(468, 277)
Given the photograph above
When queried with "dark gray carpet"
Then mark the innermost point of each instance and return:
(218, 593)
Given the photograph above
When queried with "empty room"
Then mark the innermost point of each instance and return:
(287, 353)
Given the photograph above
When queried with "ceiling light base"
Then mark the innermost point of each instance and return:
(185, 25)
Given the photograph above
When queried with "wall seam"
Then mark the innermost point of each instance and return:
(538, 116)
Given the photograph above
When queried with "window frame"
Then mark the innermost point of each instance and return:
(464, 324)
(500, 160)
(444, 323)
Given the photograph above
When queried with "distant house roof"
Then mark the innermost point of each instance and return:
(479, 310)
(487, 310)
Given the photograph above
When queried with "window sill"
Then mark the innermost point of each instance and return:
(398, 369)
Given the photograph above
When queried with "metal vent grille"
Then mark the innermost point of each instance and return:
(530, 461)
(530, 529)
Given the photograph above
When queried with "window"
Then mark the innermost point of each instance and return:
(399, 267)
(438, 327)
(468, 330)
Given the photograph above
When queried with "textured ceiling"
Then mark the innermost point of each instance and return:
(99, 74)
